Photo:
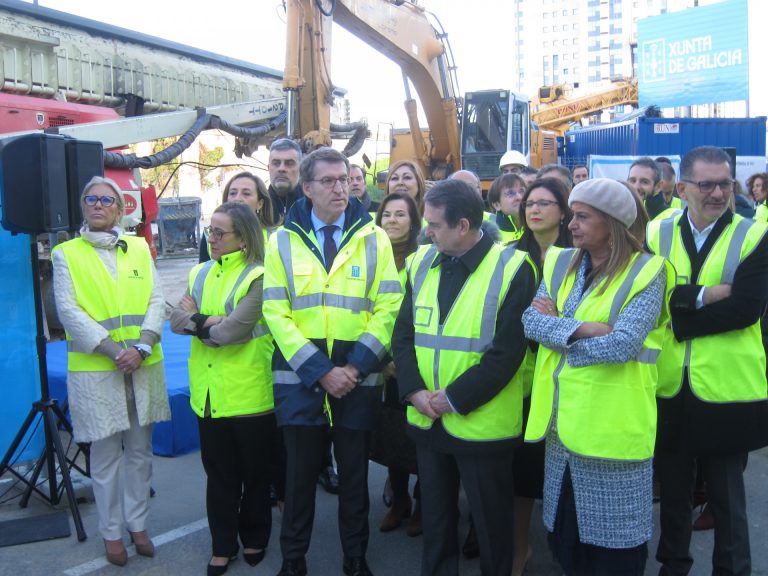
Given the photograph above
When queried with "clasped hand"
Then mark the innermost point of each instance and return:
(341, 380)
(128, 361)
(431, 404)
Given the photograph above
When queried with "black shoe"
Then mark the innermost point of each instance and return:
(356, 566)
(329, 480)
(219, 570)
(471, 549)
(253, 558)
(293, 568)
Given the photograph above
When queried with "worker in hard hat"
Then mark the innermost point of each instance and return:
(512, 162)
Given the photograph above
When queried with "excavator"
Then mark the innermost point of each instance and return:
(472, 132)
(554, 109)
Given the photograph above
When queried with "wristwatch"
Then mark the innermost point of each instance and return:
(140, 349)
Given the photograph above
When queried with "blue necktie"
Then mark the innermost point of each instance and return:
(329, 246)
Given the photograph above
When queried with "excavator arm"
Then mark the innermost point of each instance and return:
(399, 30)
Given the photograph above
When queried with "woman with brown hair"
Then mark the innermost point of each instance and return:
(544, 215)
(757, 188)
(398, 215)
(405, 177)
(250, 190)
(599, 318)
(505, 197)
(230, 384)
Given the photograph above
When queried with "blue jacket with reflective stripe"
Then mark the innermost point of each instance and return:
(321, 319)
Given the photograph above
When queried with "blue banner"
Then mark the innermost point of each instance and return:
(696, 56)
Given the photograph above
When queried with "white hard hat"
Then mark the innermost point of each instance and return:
(512, 157)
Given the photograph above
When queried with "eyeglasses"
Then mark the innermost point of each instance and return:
(512, 193)
(216, 233)
(539, 203)
(330, 182)
(106, 201)
(707, 187)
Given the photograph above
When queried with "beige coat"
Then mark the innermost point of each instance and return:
(98, 400)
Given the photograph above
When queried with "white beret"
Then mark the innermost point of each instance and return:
(608, 196)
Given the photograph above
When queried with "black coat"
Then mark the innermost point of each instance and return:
(686, 422)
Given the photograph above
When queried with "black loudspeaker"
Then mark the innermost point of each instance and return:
(85, 159)
(41, 177)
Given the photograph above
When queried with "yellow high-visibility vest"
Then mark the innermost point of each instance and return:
(335, 305)
(604, 410)
(118, 305)
(741, 377)
(237, 377)
(446, 351)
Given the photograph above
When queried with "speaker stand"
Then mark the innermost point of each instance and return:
(52, 417)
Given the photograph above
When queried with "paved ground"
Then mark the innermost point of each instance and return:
(178, 524)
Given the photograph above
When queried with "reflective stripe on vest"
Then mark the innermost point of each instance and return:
(624, 426)
(235, 378)
(701, 356)
(103, 298)
(354, 304)
(443, 354)
(645, 356)
(355, 301)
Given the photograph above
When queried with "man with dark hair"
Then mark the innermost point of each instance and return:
(528, 174)
(331, 295)
(283, 166)
(556, 171)
(579, 173)
(359, 189)
(463, 305)
(712, 399)
(645, 179)
(668, 181)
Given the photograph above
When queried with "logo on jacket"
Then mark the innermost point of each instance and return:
(355, 271)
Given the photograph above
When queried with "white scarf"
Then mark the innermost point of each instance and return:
(101, 239)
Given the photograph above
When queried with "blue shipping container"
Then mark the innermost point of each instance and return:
(666, 136)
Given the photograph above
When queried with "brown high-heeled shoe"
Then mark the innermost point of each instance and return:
(143, 544)
(116, 552)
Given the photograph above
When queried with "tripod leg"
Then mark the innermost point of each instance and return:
(66, 479)
(60, 412)
(16, 441)
(33, 479)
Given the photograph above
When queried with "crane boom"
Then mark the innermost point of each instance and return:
(559, 114)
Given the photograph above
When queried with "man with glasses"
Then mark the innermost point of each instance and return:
(284, 159)
(712, 400)
(331, 294)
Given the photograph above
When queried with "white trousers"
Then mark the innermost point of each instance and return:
(122, 501)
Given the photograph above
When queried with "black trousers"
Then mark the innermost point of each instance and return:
(236, 454)
(305, 449)
(727, 500)
(489, 484)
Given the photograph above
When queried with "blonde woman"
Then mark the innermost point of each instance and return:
(109, 300)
